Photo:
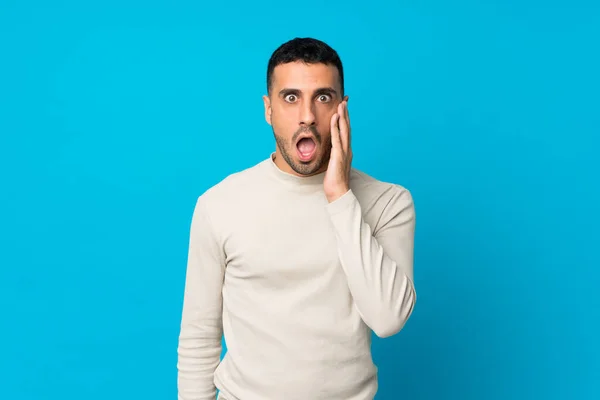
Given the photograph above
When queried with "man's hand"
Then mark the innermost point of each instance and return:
(337, 177)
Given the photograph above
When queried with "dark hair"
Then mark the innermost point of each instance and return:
(308, 50)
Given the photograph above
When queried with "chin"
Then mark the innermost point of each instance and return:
(309, 167)
(312, 161)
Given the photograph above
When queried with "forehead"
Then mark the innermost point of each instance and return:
(305, 77)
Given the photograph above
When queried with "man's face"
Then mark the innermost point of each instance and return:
(302, 100)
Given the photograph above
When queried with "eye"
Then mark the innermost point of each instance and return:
(290, 98)
(324, 98)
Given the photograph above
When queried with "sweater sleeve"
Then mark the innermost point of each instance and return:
(378, 265)
(199, 348)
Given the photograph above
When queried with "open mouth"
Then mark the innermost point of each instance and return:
(306, 148)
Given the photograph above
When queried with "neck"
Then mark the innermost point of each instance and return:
(294, 180)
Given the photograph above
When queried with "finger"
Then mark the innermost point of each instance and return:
(343, 129)
(349, 124)
(335, 131)
(348, 127)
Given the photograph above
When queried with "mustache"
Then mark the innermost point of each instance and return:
(308, 129)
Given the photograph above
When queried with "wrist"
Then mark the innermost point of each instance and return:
(336, 194)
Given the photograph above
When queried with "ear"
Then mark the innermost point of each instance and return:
(346, 99)
(268, 108)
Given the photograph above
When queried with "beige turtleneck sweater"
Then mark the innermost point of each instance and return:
(295, 284)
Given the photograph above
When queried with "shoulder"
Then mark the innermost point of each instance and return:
(232, 188)
(382, 202)
(369, 189)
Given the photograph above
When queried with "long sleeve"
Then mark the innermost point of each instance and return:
(378, 265)
(199, 348)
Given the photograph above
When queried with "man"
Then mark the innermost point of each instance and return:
(297, 259)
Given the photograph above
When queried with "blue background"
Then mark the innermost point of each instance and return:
(115, 116)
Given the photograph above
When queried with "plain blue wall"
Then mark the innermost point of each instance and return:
(115, 116)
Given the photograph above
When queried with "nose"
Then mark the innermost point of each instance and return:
(307, 114)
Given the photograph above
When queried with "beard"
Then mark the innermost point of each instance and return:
(304, 168)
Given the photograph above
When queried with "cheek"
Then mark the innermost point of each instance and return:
(325, 113)
(281, 125)
(325, 125)
(281, 116)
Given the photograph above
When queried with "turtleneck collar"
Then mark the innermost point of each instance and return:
(301, 182)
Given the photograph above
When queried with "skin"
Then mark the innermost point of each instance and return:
(307, 99)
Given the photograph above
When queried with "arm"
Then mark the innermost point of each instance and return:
(200, 336)
(378, 265)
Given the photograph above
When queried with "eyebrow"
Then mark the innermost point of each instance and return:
(319, 91)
